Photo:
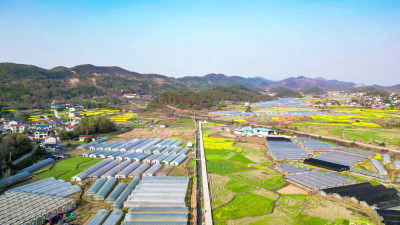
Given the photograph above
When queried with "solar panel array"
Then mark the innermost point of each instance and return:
(378, 197)
(286, 150)
(314, 145)
(158, 200)
(316, 180)
(369, 174)
(287, 168)
(354, 151)
(304, 113)
(341, 158)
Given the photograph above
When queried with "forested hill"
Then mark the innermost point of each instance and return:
(207, 98)
(34, 87)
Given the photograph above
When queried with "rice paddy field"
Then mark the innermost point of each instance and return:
(245, 188)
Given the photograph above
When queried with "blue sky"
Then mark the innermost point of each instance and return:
(346, 40)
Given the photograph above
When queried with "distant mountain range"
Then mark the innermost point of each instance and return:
(27, 81)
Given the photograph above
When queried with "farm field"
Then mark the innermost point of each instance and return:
(375, 126)
(245, 188)
(65, 169)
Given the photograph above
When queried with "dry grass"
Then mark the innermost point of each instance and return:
(219, 194)
(329, 210)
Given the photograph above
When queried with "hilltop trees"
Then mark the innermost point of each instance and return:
(94, 125)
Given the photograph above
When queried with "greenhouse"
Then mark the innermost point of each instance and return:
(114, 217)
(105, 189)
(316, 180)
(141, 144)
(159, 149)
(105, 154)
(160, 158)
(184, 151)
(130, 145)
(342, 158)
(123, 155)
(139, 171)
(165, 141)
(50, 186)
(131, 155)
(369, 174)
(81, 176)
(179, 160)
(99, 218)
(169, 159)
(287, 168)
(177, 144)
(378, 166)
(35, 207)
(38, 165)
(5, 182)
(120, 166)
(85, 146)
(120, 147)
(116, 192)
(176, 150)
(156, 217)
(106, 145)
(386, 158)
(150, 149)
(151, 158)
(152, 170)
(127, 170)
(168, 150)
(95, 187)
(396, 164)
(115, 154)
(97, 174)
(141, 156)
(109, 148)
(170, 143)
(162, 192)
(122, 197)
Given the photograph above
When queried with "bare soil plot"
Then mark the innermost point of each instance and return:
(291, 189)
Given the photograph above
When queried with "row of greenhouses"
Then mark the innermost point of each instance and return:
(49, 186)
(123, 169)
(34, 202)
(158, 200)
(149, 157)
(136, 145)
(24, 173)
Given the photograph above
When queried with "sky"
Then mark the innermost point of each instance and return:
(355, 41)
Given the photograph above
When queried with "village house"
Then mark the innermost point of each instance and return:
(17, 128)
(69, 128)
(83, 137)
(41, 134)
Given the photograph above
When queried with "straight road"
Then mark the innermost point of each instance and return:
(206, 190)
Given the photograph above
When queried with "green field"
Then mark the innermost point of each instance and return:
(238, 157)
(273, 183)
(248, 204)
(237, 187)
(70, 163)
(216, 154)
(220, 167)
(65, 169)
